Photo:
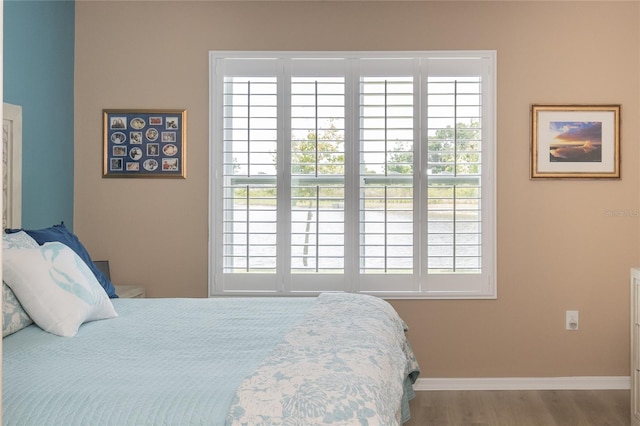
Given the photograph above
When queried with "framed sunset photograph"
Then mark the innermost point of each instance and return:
(575, 141)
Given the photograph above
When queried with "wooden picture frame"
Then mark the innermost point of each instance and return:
(145, 143)
(575, 141)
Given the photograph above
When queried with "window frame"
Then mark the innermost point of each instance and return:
(446, 286)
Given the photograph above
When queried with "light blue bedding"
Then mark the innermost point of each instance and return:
(346, 363)
(161, 362)
(181, 361)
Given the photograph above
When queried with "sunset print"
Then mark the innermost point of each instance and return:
(575, 141)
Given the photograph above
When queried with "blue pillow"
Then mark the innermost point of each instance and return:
(61, 234)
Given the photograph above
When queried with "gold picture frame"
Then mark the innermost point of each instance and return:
(145, 143)
(575, 141)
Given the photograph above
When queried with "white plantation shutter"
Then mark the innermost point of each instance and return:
(249, 184)
(316, 151)
(369, 172)
(388, 135)
(459, 161)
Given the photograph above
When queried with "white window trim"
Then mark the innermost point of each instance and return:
(448, 286)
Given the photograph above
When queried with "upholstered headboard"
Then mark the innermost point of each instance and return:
(11, 166)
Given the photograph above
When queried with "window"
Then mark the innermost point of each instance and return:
(367, 172)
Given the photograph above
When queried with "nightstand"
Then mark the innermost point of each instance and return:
(129, 291)
(123, 291)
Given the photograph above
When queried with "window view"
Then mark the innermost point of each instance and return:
(352, 172)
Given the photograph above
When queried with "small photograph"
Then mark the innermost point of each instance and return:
(169, 164)
(135, 137)
(172, 123)
(150, 164)
(170, 150)
(135, 153)
(155, 121)
(152, 134)
(118, 137)
(115, 164)
(119, 151)
(153, 150)
(138, 123)
(118, 122)
(168, 137)
(133, 167)
(575, 141)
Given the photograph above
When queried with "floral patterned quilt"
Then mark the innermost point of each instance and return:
(347, 363)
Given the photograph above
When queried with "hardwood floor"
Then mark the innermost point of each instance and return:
(521, 408)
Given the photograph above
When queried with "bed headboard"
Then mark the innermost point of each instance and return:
(11, 166)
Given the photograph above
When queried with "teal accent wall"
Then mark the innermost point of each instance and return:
(38, 75)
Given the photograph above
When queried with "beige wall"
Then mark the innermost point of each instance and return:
(558, 246)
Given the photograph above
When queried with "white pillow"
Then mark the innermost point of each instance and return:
(56, 287)
(17, 240)
(14, 318)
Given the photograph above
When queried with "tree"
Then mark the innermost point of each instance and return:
(401, 159)
(318, 155)
(321, 153)
(455, 153)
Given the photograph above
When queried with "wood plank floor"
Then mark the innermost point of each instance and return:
(521, 408)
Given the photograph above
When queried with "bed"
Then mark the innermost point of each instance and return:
(337, 358)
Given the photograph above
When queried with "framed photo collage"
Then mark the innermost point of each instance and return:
(144, 143)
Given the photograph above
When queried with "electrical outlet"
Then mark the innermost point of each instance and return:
(572, 320)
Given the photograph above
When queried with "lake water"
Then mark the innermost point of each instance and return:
(383, 244)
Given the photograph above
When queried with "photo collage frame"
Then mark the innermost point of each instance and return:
(144, 143)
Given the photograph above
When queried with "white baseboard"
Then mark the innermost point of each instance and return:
(524, 383)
